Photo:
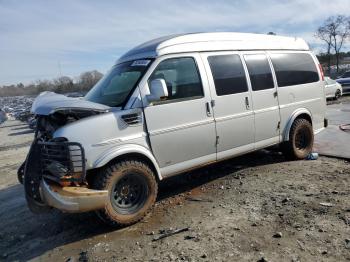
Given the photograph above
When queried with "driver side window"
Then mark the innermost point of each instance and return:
(181, 77)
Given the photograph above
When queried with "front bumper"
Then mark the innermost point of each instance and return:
(72, 199)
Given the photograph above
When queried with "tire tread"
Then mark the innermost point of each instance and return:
(102, 180)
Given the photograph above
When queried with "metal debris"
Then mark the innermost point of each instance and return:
(326, 204)
(170, 232)
(198, 199)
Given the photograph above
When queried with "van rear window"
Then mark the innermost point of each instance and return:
(294, 69)
(259, 72)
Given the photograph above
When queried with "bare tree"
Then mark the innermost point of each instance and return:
(88, 79)
(340, 33)
(43, 85)
(63, 84)
(334, 31)
(324, 33)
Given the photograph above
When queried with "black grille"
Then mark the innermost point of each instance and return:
(60, 159)
(132, 119)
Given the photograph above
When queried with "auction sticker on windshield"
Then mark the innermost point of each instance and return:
(141, 63)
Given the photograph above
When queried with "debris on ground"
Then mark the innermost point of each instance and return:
(170, 232)
(277, 235)
(345, 127)
(198, 199)
(326, 204)
(312, 156)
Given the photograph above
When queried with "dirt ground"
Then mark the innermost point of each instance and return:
(257, 207)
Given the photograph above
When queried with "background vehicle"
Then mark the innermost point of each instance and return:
(3, 116)
(344, 80)
(170, 105)
(333, 88)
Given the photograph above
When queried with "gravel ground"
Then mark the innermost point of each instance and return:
(253, 208)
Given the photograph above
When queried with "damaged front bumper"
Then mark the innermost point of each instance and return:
(54, 176)
(72, 199)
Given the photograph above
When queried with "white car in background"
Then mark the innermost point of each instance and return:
(333, 88)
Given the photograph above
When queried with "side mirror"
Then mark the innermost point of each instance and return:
(158, 90)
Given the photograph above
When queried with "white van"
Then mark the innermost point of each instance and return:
(167, 106)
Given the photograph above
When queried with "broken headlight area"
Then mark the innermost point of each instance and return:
(62, 162)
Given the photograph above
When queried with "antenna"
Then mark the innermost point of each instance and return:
(59, 69)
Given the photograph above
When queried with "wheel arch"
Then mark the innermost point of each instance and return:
(129, 151)
(299, 113)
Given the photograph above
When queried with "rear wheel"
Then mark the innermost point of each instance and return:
(132, 190)
(301, 139)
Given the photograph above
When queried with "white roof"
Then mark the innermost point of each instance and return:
(197, 42)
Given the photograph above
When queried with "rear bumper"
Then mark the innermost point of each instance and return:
(73, 199)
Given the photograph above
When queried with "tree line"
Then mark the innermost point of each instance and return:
(61, 85)
(325, 58)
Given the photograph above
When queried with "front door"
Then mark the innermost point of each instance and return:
(181, 128)
(232, 103)
(265, 99)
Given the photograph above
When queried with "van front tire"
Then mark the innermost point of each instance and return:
(132, 191)
(301, 140)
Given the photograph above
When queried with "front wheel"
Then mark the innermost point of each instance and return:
(337, 95)
(301, 140)
(132, 190)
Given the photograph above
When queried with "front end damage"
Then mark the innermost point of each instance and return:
(54, 173)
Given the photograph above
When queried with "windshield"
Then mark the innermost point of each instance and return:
(115, 87)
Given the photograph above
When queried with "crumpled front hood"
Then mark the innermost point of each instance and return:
(49, 102)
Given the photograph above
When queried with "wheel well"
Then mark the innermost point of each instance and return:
(136, 156)
(304, 116)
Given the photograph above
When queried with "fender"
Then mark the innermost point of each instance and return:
(295, 114)
(127, 149)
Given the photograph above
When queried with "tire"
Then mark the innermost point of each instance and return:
(301, 140)
(337, 95)
(132, 190)
(20, 173)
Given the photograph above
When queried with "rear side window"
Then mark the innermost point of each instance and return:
(294, 69)
(181, 77)
(259, 72)
(228, 73)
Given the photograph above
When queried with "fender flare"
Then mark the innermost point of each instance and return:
(127, 149)
(294, 115)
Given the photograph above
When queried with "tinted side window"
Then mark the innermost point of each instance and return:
(228, 73)
(259, 71)
(181, 77)
(294, 69)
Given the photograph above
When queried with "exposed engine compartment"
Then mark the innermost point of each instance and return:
(48, 124)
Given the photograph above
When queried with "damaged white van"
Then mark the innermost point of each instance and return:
(167, 106)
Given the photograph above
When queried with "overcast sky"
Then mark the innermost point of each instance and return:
(40, 38)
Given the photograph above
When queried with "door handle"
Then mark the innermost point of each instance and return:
(247, 106)
(275, 94)
(207, 106)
